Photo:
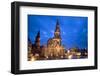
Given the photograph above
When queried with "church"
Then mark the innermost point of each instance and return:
(52, 50)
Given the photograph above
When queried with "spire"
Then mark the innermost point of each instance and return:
(38, 34)
(29, 41)
(57, 26)
(37, 39)
(57, 22)
(57, 30)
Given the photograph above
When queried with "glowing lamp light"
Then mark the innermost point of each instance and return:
(78, 54)
(33, 58)
(47, 57)
(70, 57)
(68, 51)
(61, 56)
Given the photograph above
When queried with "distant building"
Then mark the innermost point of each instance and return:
(29, 49)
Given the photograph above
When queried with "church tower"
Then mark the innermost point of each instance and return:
(37, 40)
(36, 45)
(57, 31)
(57, 35)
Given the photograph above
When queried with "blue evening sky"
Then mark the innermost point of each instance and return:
(74, 29)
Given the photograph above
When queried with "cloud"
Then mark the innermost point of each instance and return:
(45, 35)
(63, 33)
(44, 32)
(52, 31)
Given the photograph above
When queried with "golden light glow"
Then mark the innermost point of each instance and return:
(70, 56)
(33, 58)
(78, 54)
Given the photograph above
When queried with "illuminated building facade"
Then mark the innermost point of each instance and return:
(54, 49)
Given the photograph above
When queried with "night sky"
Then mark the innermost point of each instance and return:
(74, 29)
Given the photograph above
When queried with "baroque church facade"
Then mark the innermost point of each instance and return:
(52, 50)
